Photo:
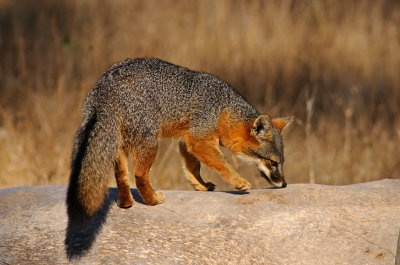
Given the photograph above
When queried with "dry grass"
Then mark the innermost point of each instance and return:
(346, 53)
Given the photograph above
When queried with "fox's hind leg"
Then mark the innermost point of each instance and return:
(192, 170)
(208, 152)
(125, 199)
(143, 158)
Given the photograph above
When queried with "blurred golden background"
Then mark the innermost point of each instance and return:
(335, 65)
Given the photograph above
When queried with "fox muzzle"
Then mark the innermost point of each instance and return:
(274, 177)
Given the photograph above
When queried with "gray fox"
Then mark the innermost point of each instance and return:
(137, 102)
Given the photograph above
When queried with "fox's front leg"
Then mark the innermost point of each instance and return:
(208, 152)
(192, 170)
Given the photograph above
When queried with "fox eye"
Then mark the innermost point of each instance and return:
(273, 163)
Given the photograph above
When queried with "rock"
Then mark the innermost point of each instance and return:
(301, 224)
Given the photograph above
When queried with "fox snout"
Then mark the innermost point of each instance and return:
(273, 173)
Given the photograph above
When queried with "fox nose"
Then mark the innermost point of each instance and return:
(284, 184)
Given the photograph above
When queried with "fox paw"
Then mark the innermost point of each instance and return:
(158, 198)
(124, 205)
(125, 200)
(243, 185)
(204, 187)
(210, 186)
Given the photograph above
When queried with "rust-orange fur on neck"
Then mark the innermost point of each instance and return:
(235, 134)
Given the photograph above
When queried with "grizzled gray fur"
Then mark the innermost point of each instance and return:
(143, 89)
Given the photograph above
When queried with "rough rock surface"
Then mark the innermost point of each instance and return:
(301, 224)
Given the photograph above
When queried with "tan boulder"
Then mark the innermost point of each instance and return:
(301, 224)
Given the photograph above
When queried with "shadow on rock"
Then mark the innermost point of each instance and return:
(235, 192)
(80, 236)
(238, 192)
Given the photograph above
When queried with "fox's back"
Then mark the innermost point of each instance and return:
(153, 89)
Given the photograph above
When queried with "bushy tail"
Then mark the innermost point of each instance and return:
(92, 163)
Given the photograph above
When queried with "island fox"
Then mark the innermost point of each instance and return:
(137, 102)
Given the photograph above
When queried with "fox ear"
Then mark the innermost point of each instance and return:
(281, 123)
(262, 128)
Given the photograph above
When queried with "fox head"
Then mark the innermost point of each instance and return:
(268, 152)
